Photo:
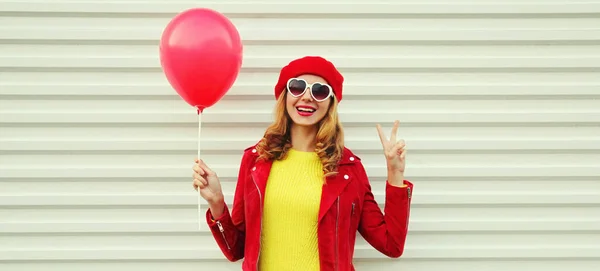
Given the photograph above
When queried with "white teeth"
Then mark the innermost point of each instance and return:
(305, 109)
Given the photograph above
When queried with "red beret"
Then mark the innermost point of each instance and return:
(311, 65)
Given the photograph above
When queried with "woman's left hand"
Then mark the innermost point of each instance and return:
(394, 151)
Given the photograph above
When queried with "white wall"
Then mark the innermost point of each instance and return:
(498, 103)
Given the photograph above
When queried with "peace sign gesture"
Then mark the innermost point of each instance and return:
(394, 151)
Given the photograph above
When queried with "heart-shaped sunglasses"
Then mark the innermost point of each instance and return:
(319, 91)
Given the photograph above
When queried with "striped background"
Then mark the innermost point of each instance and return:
(498, 103)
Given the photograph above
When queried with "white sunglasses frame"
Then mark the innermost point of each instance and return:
(308, 86)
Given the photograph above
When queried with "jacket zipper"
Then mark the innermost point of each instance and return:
(351, 221)
(336, 234)
(223, 234)
(261, 221)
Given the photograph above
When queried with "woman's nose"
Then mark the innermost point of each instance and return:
(306, 96)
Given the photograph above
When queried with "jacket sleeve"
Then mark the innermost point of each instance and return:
(229, 229)
(386, 231)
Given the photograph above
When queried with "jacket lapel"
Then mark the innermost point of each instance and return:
(335, 185)
(260, 174)
(331, 190)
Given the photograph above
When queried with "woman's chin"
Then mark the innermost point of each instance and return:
(304, 121)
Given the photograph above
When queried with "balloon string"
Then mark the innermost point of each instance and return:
(200, 215)
(199, 131)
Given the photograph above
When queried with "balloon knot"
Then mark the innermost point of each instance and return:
(199, 110)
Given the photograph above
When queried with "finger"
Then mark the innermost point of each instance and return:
(206, 169)
(394, 131)
(401, 143)
(203, 181)
(403, 155)
(200, 178)
(396, 150)
(198, 170)
(195, 184)
(200, 183)
(381, 135)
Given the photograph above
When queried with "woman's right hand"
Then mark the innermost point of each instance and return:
(210, 188)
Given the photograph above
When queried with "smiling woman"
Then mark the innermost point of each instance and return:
(301, 195)
(312, 108)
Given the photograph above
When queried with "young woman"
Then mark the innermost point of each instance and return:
(301, 195)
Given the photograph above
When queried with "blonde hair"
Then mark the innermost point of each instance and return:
(330, 137)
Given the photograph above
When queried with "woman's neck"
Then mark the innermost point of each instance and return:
(303, 137)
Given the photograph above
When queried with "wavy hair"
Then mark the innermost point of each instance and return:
(276, 141)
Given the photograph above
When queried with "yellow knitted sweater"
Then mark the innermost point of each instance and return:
(290, 214)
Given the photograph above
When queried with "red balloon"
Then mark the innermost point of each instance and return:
(201, 56)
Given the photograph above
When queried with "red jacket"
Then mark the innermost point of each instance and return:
(347, 206)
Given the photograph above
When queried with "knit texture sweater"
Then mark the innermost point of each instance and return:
(290, 213)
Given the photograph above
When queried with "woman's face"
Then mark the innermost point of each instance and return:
(305, 110)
